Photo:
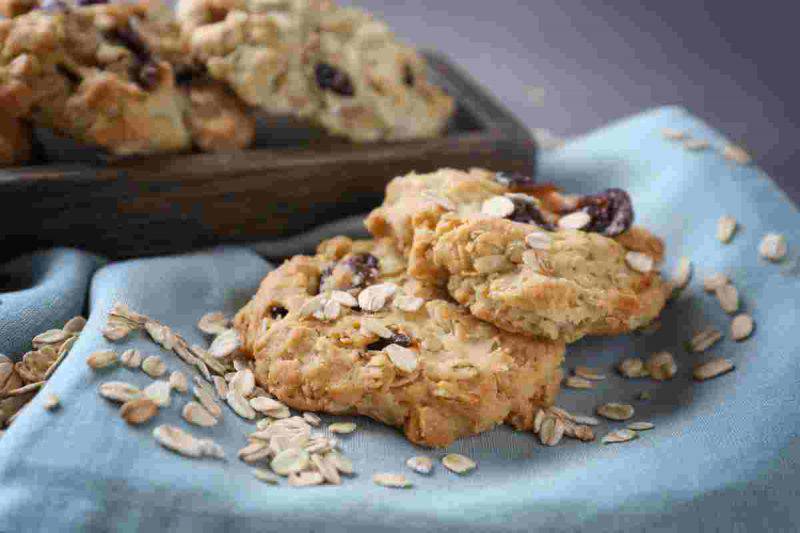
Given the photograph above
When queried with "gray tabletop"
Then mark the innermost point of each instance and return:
(572, 65)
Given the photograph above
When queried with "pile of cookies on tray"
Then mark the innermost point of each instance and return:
(455, 316)
(141, 78)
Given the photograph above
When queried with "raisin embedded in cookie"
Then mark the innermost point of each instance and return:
(346, 331)
(467, 231)
(371, 85)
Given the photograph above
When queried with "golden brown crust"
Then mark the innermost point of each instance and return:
(467, 375)
(218, 120)
(575, 284)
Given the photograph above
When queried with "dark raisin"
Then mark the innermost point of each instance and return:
(514, 180)
(186, 74)
(146, 75)
(72, 77)
(408, 76)
(329, 77)
(91, 2)
(278, 311)
(365, 267)
(611, 211)
(397, 338)
(131, 40)
(526, 211)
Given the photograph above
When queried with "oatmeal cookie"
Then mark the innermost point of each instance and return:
(58, 69)
(258, 48)
(348, 332)
(15, 140)
(556, 284)
(467, 231)
(372, 86)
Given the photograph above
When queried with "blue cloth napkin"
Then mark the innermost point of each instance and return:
(724, 455)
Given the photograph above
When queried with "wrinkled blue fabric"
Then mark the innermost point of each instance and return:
(724, 454)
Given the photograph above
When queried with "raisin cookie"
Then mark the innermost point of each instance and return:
(60, 71)
(258, 48)
(338, 67)
(347, 332)
(584, 269)
(371, 85)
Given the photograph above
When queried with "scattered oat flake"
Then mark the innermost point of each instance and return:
(460, 464)
(640, 426)
(342, 428)
(116, 332)
(138, 410)
(741, 327)
(695, 145)
(184, 443)
(221, 386)
(661, 366)
(131, 358)
(639, 262)
(645, 395)
(159, 391)
(673, 135)
(772, 247)
(620, 435)
(342, 463)
(726, 227)
(206, 398)
(243, 382)
(213, 323)
(154, 366)
(713, 368)
(305, 479)
(587, 372)
(51, 336)
(51, 402)
(327, 468)
(119, 391)
(616, 411)
(704, 339)
(585, 420)
(178, 381)
(728, 298)
(75, 325)
(196, 414)
(420, 464)
(632, 367)
(736, 154)
(393, 481)
(240, 405)
(712, 282)
(101, 359)
(575, 382)
(551, 431)
(270, 407)
(289, 460)
(225, 344)
(266, 476)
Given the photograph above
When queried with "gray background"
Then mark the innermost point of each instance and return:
(573, 65)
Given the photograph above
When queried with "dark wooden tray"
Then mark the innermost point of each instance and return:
(292, 180)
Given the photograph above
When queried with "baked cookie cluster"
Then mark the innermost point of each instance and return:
(455, 316)
(140, 78)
